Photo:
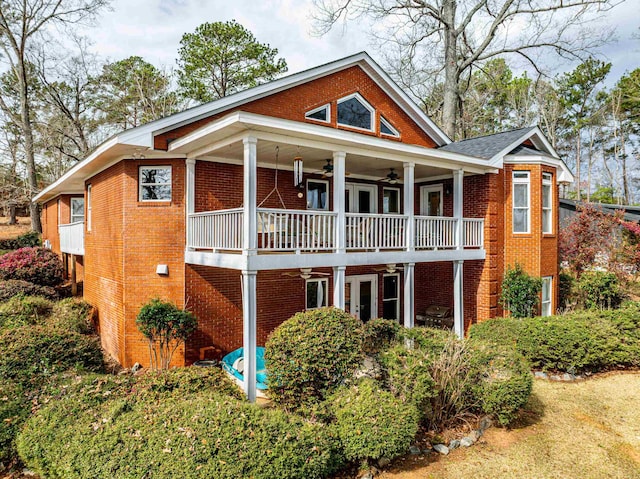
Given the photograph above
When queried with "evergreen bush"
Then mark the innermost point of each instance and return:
(599, 289)
(378, 334)
(34, 264)
(371, 423)
(16, 287)
(520, 292)
(311, 354)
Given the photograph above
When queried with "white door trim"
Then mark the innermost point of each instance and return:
(424, 190)
(354, 205)
(354, 282)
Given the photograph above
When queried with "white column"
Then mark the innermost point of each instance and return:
(409, 295)
(338, 200)
(190, 194)
(408, 201)
(458, 295)
(339, 274)
(458, 181)
(249, 218)
(249, 312)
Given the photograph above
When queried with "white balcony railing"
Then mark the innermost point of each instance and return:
(295, 230)
(473, 232)
(72, 238)
(435, 232)
(218, 230)
(281, 230)
(370, 231)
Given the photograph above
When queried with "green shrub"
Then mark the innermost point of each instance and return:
(36, 265)
(189, 435)
(311, 354)
(520, 292)
(72, 314)
(371, 423)
(504, 381)
(16, 287)
(24, 310)
(30, 238)
(600, 289)
(379, 334)
(568, 295)
(34, 351)
(430, 340)
(569, 343)
(498, 331)
(166, 327)
(14, 408)
(407, 374)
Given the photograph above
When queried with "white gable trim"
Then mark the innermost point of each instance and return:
(563, 172)
(537, 138)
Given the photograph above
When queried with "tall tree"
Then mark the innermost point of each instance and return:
(221, 58)
(578, 91)
(449, 37)
(131, 92)
(24, 23)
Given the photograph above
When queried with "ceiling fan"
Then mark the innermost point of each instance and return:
(305, 273)
(392, 177)
(390, 268)
(327, 170)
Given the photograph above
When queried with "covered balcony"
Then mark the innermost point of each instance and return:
(72, 238)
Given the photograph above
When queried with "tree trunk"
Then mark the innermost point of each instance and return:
(450, 100)
(578, 153)
(625, 178)
(12, 214)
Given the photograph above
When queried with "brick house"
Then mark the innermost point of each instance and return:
(328, 186)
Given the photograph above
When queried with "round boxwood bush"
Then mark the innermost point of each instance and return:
(371, 423)
(16, 287)
(378, 334)
(34, 264)
(311, 354)
(192, 435)
(430, 340)
(498, 331)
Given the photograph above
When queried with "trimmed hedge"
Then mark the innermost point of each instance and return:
(311, 354)
(34, 264)
(16, 287)
(371, 423)
(100, 431)
(499, 331)
(30, 238)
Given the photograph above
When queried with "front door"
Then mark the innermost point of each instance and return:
(431, 200)
(360, 198)
(361, 296)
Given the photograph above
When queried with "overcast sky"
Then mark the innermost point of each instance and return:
(152, 29)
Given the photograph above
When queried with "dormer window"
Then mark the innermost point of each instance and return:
(355, 112)
(387, 129)
(322, 113)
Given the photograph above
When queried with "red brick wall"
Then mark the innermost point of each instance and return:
(294, 102)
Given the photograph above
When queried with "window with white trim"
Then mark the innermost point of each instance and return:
(545, 309)
(59, 206)
(355, 112)
(316, 293)
(521, 202)
(89, 207)
(317, 195)
(547, 203)
(391, 200)
(77, 210)
(387, 129)
(322, 113)
(155, 183)
(390, 296)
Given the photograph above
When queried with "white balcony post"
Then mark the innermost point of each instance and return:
(409, 294)
(190, 196)
(250, 219)
(339, 189)
(458, 181)
(458, 295)
(408, 200)
(339, 273)
(249, 312)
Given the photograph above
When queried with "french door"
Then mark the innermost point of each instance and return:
(361, 296)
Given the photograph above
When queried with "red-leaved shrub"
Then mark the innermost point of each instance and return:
(36, 265)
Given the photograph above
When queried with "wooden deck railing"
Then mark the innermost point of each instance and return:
(295, 230)
(375, 232)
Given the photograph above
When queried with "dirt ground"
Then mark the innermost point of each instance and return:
(583, 430)
(12, 231)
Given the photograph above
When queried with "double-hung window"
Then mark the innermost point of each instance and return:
(316, 293)
(391, 200)
(521, 202)
(317, 195)
(390, 299)
(77, 210)
(155, 183)
(547, 203)
(88, 207)
(545, 309)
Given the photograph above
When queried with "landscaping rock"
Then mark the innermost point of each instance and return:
(441, 448)
(540, 375)
(485, 423)
(415, 450)
(384, 462)
(370, 369)
(136, 367)
(475, 435)
(466, 442)
(454, 444)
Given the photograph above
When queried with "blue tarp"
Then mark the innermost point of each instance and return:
(261, 372)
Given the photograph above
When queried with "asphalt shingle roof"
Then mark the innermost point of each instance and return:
(487, 146)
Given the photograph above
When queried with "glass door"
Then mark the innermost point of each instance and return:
(431, 200)
(361, 296)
